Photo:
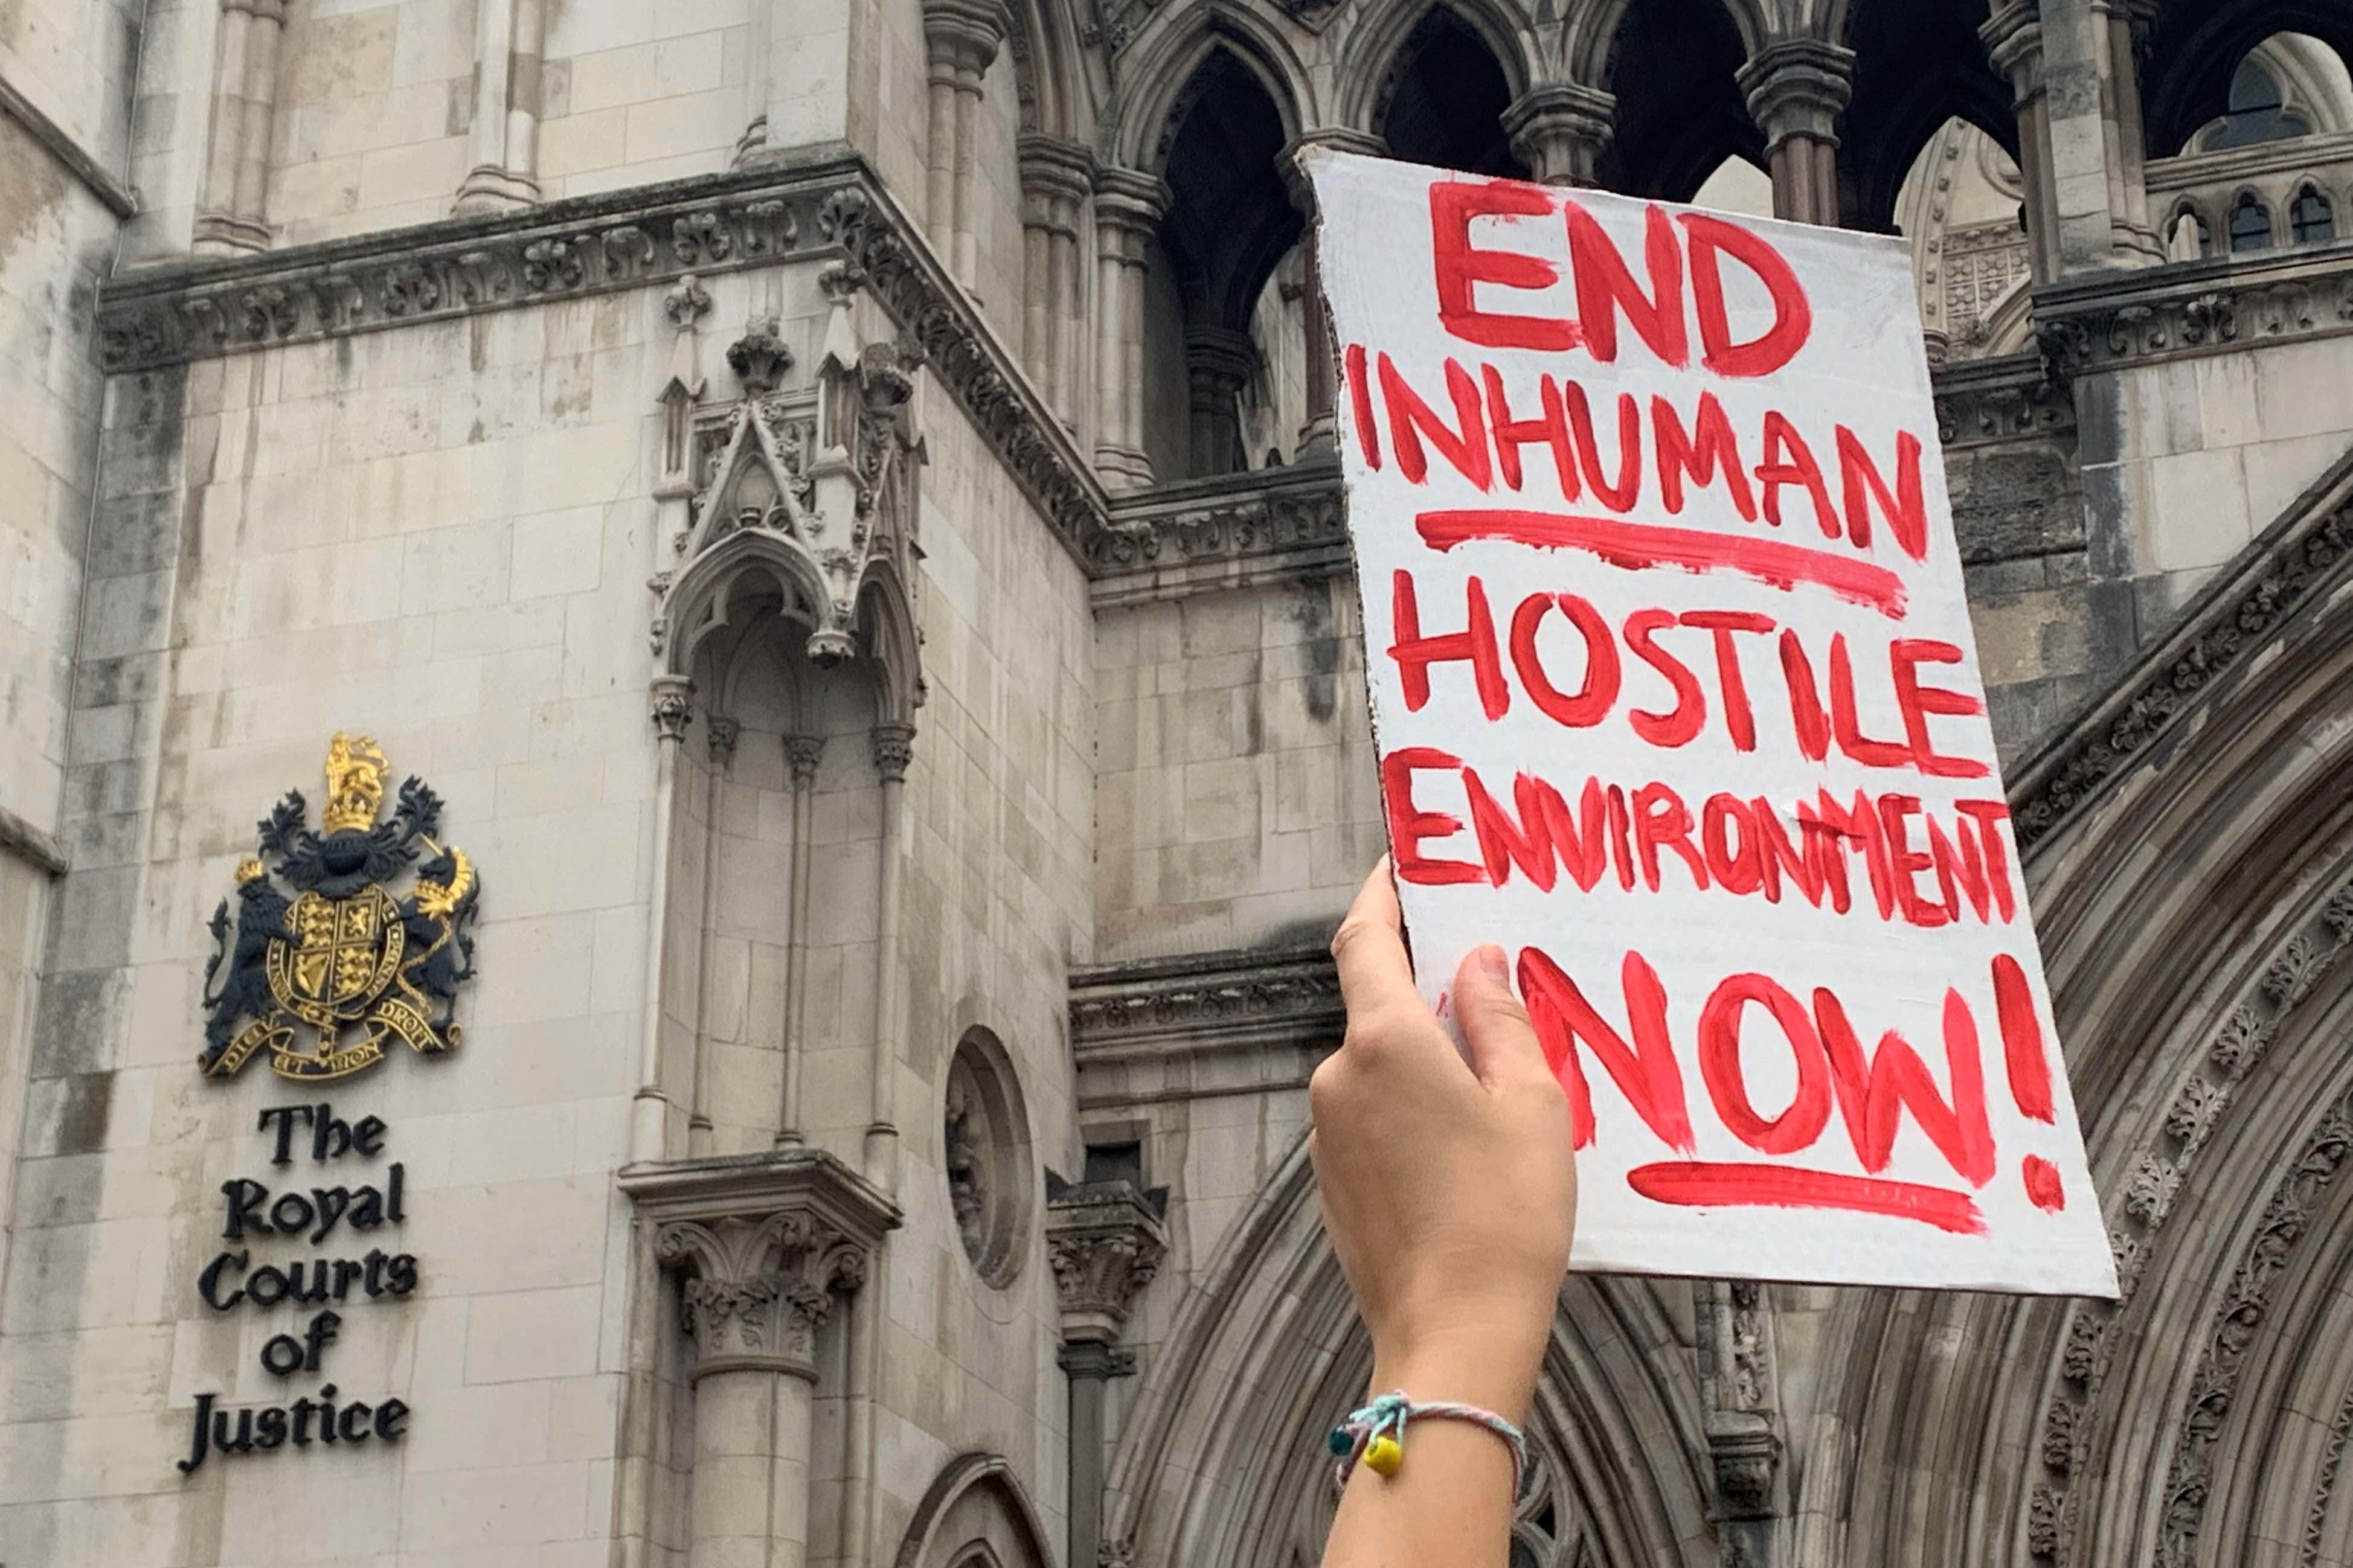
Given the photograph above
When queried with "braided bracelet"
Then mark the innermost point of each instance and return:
(1376, 1435)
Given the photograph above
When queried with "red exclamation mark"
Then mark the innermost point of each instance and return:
(2021, 1040)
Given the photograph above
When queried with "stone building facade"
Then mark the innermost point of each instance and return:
(835, 496)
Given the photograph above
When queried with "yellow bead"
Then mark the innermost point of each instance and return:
(1383, 1454)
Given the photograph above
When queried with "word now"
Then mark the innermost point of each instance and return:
(1815, 724)
(1733, 845)
(1870, 1095)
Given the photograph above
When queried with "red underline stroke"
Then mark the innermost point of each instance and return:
(1700, 1183)
(1638, 546)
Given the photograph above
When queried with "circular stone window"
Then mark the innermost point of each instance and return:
(985, 1148)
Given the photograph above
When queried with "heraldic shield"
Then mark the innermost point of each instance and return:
(326, 978)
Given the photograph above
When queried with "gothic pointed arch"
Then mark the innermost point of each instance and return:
(1159, 69)
(808, 509)
(1673, 68)
(1918, 65)
(975, 1512)
(1224, 1466)
(2196, 47)
(1384, 47)
(1590, 39)
(1439, 95)
(1049, 73)
(2194, 896)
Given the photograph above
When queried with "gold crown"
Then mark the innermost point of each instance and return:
(354, 783)
(248, 869)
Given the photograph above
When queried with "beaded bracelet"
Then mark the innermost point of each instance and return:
(1376, 1435)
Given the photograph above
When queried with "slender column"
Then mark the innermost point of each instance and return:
(260, 111)
(219, 230)
(650, 1120)
(755, 1290)
(1128, 206)
(1796, 88)
(1317, 433)
(961, 39)
(1558, 130)
(2013, 41)
(1055, 177)
(721, 737)
(895, 744)
(2089, 128)
(1105, 1241)
(508, 41)
(1217, 365)
(801, 754)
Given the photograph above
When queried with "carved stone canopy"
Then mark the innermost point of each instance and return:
(762, 1244)
(1105, 1240)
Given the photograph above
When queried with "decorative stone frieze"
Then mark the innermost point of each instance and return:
(2116, 320)
(760, 1244)
(2002, 398)
(2309, 948)
(1206, 1024)
(652, 234)
(1105, 1240)
(1225, 532)
(2237, 612)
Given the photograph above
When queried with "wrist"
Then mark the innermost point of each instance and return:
(1494, 1372)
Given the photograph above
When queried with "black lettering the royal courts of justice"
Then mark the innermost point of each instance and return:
(327, 977)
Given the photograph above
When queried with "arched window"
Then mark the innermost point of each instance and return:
(1443, 100)
(2258, 110)
(1227, 229)
(1959, 207)
(2250, 223)
(2310, 218)
(2189, 236)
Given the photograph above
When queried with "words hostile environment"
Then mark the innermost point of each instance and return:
(314, 1216)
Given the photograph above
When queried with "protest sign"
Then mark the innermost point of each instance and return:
(1675, 696)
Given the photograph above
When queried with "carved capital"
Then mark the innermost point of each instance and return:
(755, 1290)
(801, 754)
(761, 1245)
(1746, 1454)
(2012, 36)
(1105, 1241)
(1558, 128)
(964, 36)
(1798, 87)
(725, 732)
(1128, 207)
(895, 748)
(672, 708)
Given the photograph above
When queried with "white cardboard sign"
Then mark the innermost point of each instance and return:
(1675, 697)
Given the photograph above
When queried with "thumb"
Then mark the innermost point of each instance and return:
(1501, 1043)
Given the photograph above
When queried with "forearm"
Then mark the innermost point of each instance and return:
(1449, 1505)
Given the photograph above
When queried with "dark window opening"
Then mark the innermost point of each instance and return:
(2251, 224)
(2310, 218)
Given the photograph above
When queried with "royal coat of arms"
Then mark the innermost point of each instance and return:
(325, 978)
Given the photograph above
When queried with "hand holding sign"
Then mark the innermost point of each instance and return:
(1675, 696)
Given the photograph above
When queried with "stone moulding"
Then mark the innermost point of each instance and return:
(828, 209)
(2307, 549)
(2000, 399)
(1216, 1023)
(1225, 532)
(2213, 305)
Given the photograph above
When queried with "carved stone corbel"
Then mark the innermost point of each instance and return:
(1105, 1240)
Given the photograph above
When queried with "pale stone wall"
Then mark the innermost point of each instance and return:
(2185, 461)
(1235, 795)
(55, 241)
(73, 59)
(440, 536)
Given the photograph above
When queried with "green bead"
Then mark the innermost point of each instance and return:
(1339, 1442)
